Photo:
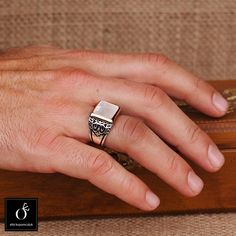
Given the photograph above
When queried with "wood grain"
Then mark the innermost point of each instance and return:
(62, 196)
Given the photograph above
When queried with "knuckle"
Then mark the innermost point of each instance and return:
(172, 164)
(99, 164)
(196, 84)
(192, 93)
(193, 133)
(153, 97)
(130, 185)
(156, 59)
(67, 76)
(134, 129)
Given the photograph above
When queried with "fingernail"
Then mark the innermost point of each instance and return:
(220, 102)
(216, 158)
(152, 199)
(194, 182)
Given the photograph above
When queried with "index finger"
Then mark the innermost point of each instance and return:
(157, 70)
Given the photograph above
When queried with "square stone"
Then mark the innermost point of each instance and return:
(106, 110)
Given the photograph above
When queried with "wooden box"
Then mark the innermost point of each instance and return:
(62, 196)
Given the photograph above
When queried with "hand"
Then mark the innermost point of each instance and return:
(47, 94)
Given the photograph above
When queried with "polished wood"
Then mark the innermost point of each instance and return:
(63, 197)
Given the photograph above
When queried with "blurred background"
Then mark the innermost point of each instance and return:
(198, 34)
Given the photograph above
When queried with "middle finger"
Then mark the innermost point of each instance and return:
(151, 104)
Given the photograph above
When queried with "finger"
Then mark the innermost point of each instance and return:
(147, 68)
(82, 161)
(153, 69)
(130, 135)
(148, 102)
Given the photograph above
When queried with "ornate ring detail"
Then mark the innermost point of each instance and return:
(101, 121)
(99, 127)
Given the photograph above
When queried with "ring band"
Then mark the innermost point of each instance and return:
(101, 121)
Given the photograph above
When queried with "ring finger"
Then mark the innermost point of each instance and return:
(130, 135)
(150, 104)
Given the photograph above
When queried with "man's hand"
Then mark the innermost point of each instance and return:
(47, 94)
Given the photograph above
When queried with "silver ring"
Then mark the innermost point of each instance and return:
(101, 121)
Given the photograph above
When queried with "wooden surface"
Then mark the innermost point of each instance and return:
(61, 196)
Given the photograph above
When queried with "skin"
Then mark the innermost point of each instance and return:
(47, 94)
